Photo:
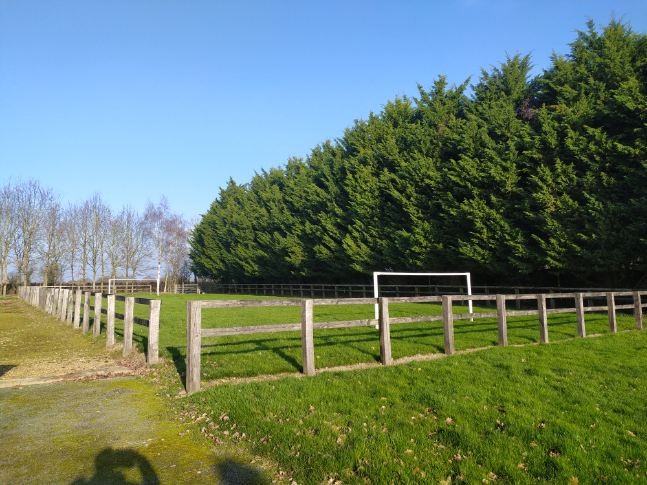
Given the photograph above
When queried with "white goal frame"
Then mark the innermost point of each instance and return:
(376, 291)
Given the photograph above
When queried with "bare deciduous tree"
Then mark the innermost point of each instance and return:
(52, 248)
(84, 223)
(133, 243)
(36, 233)
(156, 217)
(30, 200)
(7, 230)
(99, 216)
(72, 238)
(177, 235)
(114, 241)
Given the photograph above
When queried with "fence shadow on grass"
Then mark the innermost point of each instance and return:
(4, 368)
(139, 341)
(351, 340)
(110, 465)
(427, 338)
(178, 361)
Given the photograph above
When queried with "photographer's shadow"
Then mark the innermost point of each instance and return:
(111, 465)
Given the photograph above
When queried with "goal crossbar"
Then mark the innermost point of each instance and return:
(377, 274)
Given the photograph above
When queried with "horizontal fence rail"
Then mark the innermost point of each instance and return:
(330, 290)
(119, 288)
(195, 332)
(65, 304)
(186, 288)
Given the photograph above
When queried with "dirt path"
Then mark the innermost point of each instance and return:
(35, 347)
(83, 425)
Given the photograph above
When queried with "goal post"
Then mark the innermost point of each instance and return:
(377, 274)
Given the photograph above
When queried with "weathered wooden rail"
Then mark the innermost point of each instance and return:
(186, 288)
(195, 332)
(65, 304)
(350, 290)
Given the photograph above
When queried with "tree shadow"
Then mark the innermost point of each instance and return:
(231, 472)
(110, 465)
(4, 368)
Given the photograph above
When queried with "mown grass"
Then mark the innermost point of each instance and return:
(236, 356)
(571, 412)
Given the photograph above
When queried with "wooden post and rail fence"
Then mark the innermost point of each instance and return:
(195, 331)
(65, 304)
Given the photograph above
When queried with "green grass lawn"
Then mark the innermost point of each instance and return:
(281, 352)
(568, 412)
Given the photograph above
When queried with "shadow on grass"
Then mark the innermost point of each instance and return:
(231, 472)
(110, 465)
(178, 361)
(4, 368)
(179, 358)
(484, 332)
(139, 341)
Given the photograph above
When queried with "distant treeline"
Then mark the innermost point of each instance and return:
(521, 179)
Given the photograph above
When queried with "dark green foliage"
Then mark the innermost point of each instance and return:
(527, 179)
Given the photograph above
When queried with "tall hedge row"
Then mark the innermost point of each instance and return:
(516, 178)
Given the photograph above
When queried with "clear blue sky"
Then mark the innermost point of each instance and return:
(136, 99)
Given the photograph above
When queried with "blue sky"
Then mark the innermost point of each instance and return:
(137, 99)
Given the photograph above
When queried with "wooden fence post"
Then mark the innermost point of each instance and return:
(543, 318)
(110, 321)
(66, 300)
(448, 324)
(54, 312)
(638, 311)
(47, 300)
(611, 306)
(60, 314)
(77, 309)
(62, 311)
(66, 304)
(152, 356)
(86, 312)
(385, 331)
(307, 337)
(70, 306)
(96, 324)
(502, 320)
(579, 313)
(193, 345)
(129, 312)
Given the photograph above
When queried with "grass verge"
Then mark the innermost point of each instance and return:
(571, 412)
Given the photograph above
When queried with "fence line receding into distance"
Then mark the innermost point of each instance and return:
(65, 304)
(195, 332)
